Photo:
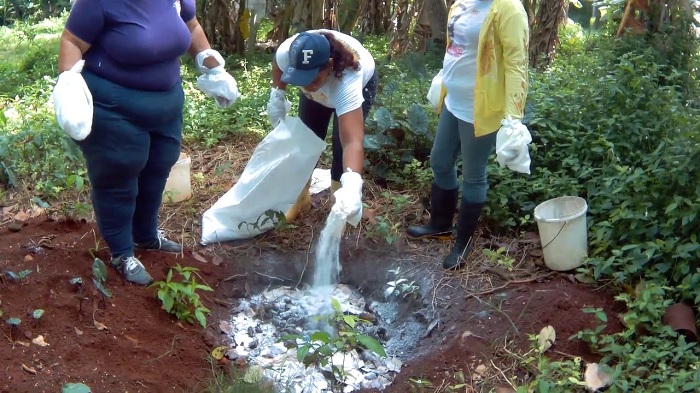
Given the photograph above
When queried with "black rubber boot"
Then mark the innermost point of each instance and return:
(443, 204)
(469, 214)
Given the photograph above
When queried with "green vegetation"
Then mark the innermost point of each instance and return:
(613, 120)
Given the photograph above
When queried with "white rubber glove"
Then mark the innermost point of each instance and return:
(72, 103)
(278, 106)
(199, 60)
(216, 82)
(348, 198)
(512, 145)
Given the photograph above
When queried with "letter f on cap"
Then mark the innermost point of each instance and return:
(307, 55)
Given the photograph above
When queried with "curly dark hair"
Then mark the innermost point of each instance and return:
(342, 57)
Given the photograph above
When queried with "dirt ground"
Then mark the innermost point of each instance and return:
(127, 343)
(481, 318)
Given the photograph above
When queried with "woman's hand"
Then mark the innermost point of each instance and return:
(216, 81)
(278, 106)
(348, 199)
(72, 100)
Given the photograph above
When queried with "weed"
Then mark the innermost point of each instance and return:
(319, 348)
(181, 298)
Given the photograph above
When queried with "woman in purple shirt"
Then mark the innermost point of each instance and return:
(131, 51)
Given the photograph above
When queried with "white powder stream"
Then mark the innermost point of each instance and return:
(328, 251)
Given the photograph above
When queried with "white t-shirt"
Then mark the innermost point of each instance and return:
(459, 64)
(344, 94)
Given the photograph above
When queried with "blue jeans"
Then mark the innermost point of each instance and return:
(453, 137)
(134, 142)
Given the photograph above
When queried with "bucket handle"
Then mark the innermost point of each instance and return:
(555, 236)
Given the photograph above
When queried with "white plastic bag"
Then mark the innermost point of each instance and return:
(72, 103)
(511, 145)
(220, 85)
(273, 178)
(435, 90)
(216, 82)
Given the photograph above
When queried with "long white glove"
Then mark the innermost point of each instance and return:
(512, 145)
(72, 103)
(348, 198)
(278, 106)
(216, 82)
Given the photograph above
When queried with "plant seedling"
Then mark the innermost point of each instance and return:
(180, 298)
(36, 316)
(18, 277)
(99, 272)
(75, 388)
(14, 327)
(77, 283)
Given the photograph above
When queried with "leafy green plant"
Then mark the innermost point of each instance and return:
(500, 257)
(99, 279)
(401, 286)
(75, 388)
(19, 277)
(319, 348)
(276, 218)
(383, 229)
(36, 316)
(14, 323)
(181, 298)
(232, 379)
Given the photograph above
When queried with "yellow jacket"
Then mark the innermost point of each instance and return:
(502, 66)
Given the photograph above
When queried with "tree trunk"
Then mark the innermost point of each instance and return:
(219, 22)
(374, 19)
(349, 13)
(307, 14)
(435, 12)
(545, 32)
(402, 41)
(330, 15)
(297, 16)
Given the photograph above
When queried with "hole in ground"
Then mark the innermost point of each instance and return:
(283, 311)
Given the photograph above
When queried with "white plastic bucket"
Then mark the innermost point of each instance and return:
(563, 232)
(179, 187)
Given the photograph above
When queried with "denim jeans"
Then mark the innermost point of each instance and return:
(456, 137)
(317, 117)
(134, 142)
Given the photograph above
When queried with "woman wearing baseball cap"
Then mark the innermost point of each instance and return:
(337, 79)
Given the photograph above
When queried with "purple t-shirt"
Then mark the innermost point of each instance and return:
(134, 43)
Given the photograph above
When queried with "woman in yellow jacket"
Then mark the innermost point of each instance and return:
(484, 80)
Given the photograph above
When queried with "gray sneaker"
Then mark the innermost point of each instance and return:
(161, 243)
(132, 270)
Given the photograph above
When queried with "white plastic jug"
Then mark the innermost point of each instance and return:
(179, 187)
(563, 232)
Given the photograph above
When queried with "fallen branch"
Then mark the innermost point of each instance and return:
(271, 277)
(28, 369)
(172, 346)
(235, 276)
(222, 302)
(504, 286)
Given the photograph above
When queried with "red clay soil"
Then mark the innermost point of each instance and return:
(143, 349)
(530, 307)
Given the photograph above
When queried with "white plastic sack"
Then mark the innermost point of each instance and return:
(273, 178)
(220, 85)
(512, 145)
(435, 90)
(72, 102)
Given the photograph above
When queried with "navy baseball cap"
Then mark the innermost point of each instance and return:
(308, 54)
